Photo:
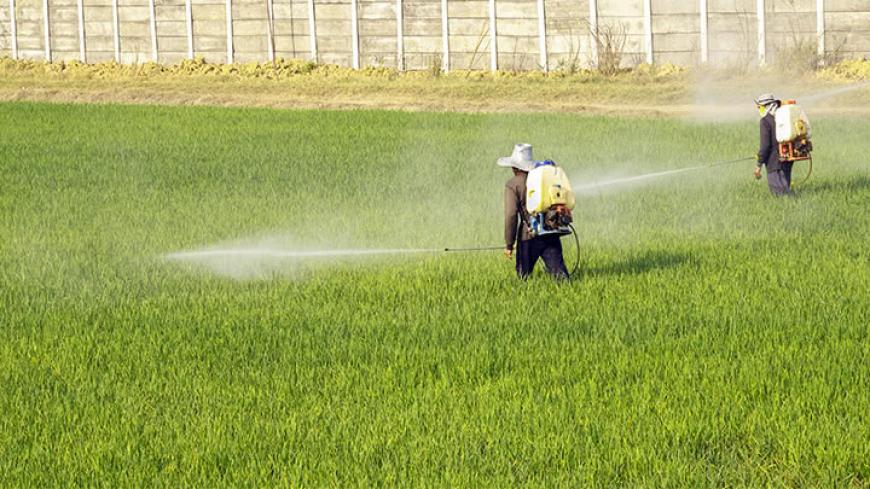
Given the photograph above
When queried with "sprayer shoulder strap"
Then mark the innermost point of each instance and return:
(520, 223)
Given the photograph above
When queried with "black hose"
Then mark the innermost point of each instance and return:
(577, 245)
(809, 173)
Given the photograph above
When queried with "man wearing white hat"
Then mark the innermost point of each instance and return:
(516, 221)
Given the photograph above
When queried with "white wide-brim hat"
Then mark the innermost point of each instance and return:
(521, 158)
(765, 99)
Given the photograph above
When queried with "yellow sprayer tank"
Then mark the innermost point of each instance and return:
(547, 186)
(791, 122)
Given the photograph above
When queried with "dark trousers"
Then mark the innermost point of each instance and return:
(549, 248)
(779, 181)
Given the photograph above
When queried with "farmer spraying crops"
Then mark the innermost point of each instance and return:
(778, 173)
(785, 138)
(525, 230)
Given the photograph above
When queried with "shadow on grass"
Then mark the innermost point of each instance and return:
(861, 182)
(635, 265)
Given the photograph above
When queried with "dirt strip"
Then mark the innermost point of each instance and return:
(669, 99)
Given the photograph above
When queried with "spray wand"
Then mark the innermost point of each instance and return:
(479, 248)
(728, 162)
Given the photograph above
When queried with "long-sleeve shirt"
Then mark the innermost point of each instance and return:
(515, 213)
(768, 150)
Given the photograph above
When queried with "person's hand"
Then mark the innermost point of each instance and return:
(757, 173)
(508, 252)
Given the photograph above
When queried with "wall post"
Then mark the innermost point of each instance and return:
(400, 37)
(493, 39)
(116, 36)
(46, 30)
(445, 39)
(762, 33)
(542, 37)
(188, 13)
(13, 29)
(229, 16)
(312, 31)
(153, 28)
(820, 30)
(354, 32)
(647, 30)
(593, 31)
(705, 38)
(270, 27)
(80, 10)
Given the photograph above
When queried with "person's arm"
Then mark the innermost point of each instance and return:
(510, 217)
(764, 147)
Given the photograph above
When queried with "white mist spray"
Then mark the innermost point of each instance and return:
(631, 180)
(825, 94)
(596, 187)
(253, 261)
(258, 253)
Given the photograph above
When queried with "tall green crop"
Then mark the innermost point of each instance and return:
(714, 335)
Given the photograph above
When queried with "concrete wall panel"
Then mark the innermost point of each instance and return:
(5, 33)
(620, 8)
(568, 34)
(802, 6)
(846, 6)
(421, 61)
(682, 58)
(422, 9)
(29, 22)
(517, 27)
(676, 24)
(511, 9)
(380, 28)
(675, 7)
(673, 43)
(731, 6)
(290, 26)
(380, 9)
(457, 9)
(63, 20)
(471, 61)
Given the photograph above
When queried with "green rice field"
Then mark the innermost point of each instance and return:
(713, 336)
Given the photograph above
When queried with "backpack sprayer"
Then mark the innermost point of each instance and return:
(793, 135)
(549, 200)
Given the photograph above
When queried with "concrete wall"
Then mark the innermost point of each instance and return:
(732, 27)
(469, 34)
(627, 16)
(568, 33)
(291, 29)
(422, 27)
(676, 28)
(377, 33)
(517, 34)
(791, 24)
(5, 31)
(733, 31)
(848, 28)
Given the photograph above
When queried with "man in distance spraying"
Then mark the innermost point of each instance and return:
(778, 172)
